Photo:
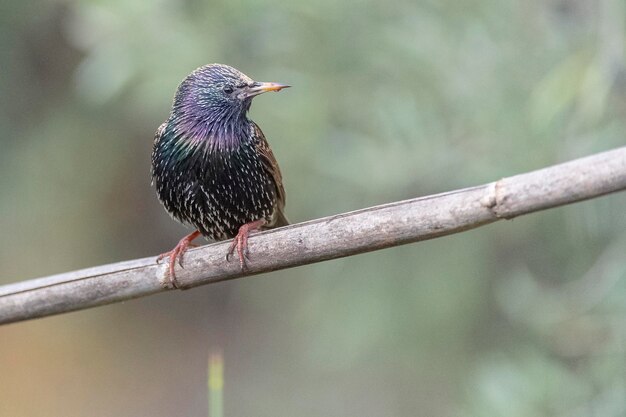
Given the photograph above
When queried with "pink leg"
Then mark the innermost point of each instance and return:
(240, 242)
(178, 252)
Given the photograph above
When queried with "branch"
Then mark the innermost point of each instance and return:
(327, 238)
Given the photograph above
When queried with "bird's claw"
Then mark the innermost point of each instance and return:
(240, 242)
(177, 254)
(172, 255)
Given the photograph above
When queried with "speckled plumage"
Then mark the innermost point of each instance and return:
(212, 167)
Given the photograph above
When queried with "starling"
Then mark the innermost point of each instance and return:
(212, 166)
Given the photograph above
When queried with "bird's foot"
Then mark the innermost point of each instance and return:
(240, 242)
(177, 253)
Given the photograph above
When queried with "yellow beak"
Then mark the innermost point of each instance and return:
(260, 88)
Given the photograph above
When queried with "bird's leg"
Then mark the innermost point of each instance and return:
(178, 252)
(240, 242)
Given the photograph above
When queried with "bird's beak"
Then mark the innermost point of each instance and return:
(260, 88)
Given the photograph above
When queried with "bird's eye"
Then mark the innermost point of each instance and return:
(228, 89)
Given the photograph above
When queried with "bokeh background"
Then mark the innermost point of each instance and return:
(391, 100)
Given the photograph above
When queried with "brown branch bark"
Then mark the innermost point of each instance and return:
(327, 238)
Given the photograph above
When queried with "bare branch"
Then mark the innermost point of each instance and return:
(327, 238)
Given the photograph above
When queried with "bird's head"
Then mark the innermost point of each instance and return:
(217, 91)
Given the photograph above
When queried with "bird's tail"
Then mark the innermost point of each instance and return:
(280, 219)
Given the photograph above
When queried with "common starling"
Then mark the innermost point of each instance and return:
(212, 166)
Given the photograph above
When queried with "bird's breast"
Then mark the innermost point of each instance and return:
(215, 190)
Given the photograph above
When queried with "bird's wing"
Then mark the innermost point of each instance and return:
(270, 163)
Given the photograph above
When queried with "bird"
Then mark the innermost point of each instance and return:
(212, 167)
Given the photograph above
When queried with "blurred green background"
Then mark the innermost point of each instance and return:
(391, 100)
